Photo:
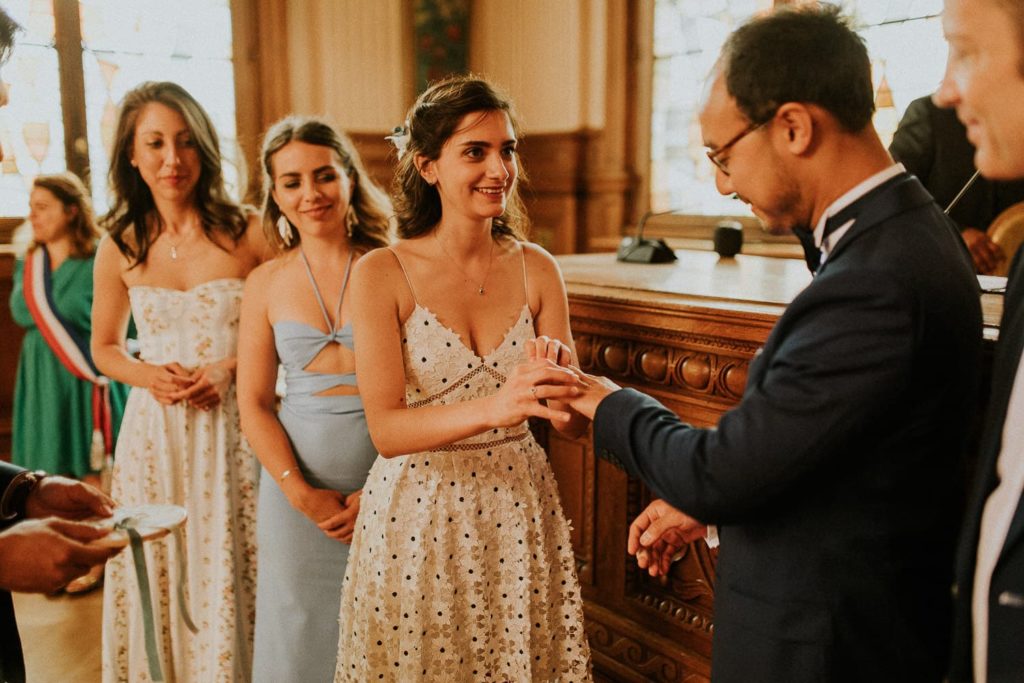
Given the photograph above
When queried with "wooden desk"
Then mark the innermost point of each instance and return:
(684, 333)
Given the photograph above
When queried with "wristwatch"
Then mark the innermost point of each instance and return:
(12, 504)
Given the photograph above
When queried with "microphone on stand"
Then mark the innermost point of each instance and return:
(961, 193)
(640, 250)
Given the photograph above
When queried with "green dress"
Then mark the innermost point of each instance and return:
(52, 408)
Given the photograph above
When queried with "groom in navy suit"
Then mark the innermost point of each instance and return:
(985, 82)
(834, 483)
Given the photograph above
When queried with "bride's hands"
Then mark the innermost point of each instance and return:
(530, 383)
(544, 347)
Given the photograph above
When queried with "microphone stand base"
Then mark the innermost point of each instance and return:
(642, 250)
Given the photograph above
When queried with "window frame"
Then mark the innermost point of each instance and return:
(249, 45)
(678, 229)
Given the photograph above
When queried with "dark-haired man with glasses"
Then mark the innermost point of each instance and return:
(835, 483)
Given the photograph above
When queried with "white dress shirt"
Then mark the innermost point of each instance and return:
(997, 517)
(856, 192)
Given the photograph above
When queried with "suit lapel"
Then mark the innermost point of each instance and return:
(1004, 371)
(1008, 361)
(902, 193)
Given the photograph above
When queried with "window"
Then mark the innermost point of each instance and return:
(105, 48)
(904, 40)
(687, 39)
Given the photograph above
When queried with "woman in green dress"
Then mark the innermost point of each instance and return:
(53, 409)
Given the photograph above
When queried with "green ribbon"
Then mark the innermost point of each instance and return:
(179, 540)
(145, 594)
(145, 599)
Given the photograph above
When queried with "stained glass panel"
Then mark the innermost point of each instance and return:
(31, 126)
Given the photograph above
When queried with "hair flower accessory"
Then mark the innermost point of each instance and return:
(400, 138)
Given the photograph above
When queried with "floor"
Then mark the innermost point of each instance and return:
(60, 636)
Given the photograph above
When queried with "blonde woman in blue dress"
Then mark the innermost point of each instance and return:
(461, 567)
(323, 213)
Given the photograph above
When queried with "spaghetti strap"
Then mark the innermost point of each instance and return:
(319, 297)
(526, 283)
(406, 274)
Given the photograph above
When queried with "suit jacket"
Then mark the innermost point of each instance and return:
(932, 143)
(1006, 595)
(12, 667)
(834, 481)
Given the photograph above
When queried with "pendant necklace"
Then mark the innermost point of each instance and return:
(174, 245)
(490, 258)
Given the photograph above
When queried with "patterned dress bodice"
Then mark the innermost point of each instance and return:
(440, 369)
(193, 327)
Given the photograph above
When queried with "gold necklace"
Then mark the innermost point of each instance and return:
(490, 258)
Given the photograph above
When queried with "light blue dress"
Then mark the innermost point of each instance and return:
(300, 569)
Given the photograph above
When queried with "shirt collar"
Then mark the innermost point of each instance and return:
(855, 193)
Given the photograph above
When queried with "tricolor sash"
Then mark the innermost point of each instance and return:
(70, 349)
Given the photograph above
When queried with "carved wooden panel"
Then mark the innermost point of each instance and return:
(695, 359)
(621, 654)
(574, 471)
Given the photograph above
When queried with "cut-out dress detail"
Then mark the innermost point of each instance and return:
(300, 568)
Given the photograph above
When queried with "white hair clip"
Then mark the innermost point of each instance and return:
(400, 138)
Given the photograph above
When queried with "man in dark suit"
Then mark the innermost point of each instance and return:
(44, 552)
(834, 481)
(932, 144)
(985, 82)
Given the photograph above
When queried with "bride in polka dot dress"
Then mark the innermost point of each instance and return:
(461, 567)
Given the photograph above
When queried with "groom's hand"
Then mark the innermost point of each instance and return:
(593, 390)
(658, 535)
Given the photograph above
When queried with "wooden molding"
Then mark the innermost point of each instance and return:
(623, 653)
(260, 58)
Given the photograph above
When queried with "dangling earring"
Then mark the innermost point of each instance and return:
(351, 220)
(284, 228)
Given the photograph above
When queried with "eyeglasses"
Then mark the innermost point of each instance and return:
(715, 154)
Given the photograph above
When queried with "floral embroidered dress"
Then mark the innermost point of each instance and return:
(198, 459)
(461, 567)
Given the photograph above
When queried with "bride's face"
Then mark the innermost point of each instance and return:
(311, 188)
(476, 172)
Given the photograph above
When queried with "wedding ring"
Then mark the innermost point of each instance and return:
(533, 390)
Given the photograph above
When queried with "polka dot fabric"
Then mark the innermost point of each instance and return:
(461, 568)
